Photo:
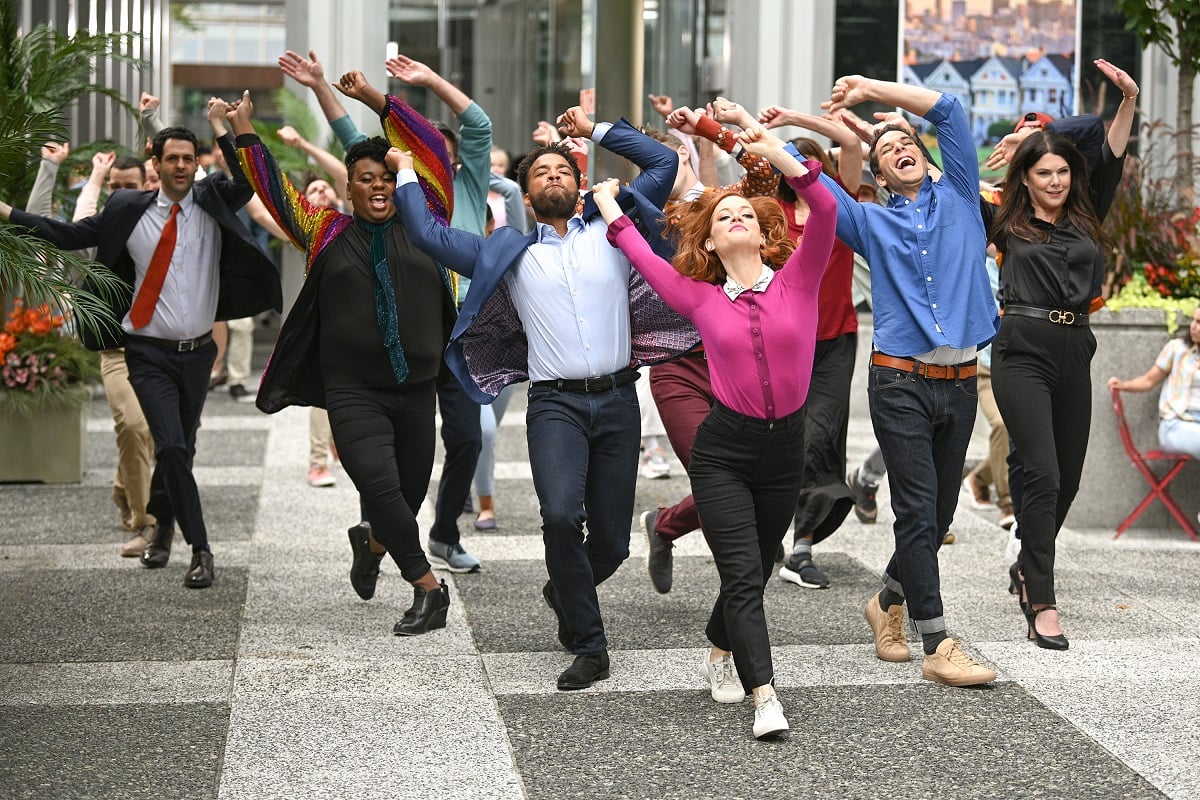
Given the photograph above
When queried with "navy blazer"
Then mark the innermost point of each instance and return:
(249, 281)
(488, 349)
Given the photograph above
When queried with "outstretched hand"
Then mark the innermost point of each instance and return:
(684, 120)
(354, 85)
(53, 151)
(289, 136)
(545, 134)
(756, 140)
(775, 116)
(305, 71)
(574, 122)
(102, 162)
(849, 90)
(662, 103)
(409, 70)
(147, 102)
(397, 160)
(240, 114)
(218, 111)
(1119, 77)
(1004, 150)
(606, 190)
(730, 113)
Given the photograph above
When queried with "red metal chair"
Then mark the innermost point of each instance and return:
(1158, 486)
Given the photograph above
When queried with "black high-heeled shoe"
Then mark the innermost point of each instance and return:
(428, 612)
(1058, 642)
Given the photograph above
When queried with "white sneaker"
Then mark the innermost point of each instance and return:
(722, 678)
(769, 719)
(1013, 549)
(655, 464)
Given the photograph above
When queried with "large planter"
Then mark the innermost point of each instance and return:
(1127, 342)
(45, 446)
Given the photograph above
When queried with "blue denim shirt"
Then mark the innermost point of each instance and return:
(929, 287)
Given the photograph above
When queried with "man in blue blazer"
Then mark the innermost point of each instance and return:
(212, 269)
(564, 309)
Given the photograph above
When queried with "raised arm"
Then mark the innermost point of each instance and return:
(414, 73)
(680, 293)
(658, 164)
(89, 196)
(1122, 123)
(760, 179)
(850, 160)
(309, 72)
(412, 133)
(326, 161)
(305, 225)
(41, 196)
(451, 247)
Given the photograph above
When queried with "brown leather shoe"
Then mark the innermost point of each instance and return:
(200, 575)
(138, 542)
(888, 628)
(158, 552)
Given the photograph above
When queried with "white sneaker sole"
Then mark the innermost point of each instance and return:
(730, 696)
(794, 577)
(437, 562)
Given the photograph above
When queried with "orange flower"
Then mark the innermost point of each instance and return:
(7, 342)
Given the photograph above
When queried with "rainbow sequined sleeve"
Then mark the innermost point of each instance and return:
(410, 131)
(311, 228)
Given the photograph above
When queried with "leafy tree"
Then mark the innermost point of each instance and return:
(41, 74)
(1172, 25)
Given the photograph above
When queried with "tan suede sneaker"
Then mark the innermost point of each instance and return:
(138, 542)
(952, 666)
(888, 627)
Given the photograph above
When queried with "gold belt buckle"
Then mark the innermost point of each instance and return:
(1062, 317)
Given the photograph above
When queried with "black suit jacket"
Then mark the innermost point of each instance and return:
(249, 281)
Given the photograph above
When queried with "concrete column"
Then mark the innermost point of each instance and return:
(619, 69)
(781, 53)
(348, 35)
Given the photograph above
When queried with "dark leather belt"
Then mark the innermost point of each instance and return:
(601, 383)
(174, 345)
(934, 371)
(1056, 315)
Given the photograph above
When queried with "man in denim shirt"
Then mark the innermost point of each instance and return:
(933, 309)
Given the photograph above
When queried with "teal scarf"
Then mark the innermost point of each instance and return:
(385, 299)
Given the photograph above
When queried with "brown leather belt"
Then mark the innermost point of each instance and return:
(1056, 315)
(933, 371)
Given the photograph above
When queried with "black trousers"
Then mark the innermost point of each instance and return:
(461, 441)
(385, 439)
(745, 475)
(1041, 376)
(825, 500)
(171, 388)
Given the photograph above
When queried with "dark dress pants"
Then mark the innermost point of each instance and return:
(745, 476)
(171, 388)
(682, 390)
(583, 449)
(825, 500)
(1041, 375)
(385, 439)
(923, 427)
(461, 441)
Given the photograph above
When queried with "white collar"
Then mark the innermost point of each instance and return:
(733, 288)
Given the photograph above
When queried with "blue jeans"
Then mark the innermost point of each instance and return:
(583, 449)
(923, 427)
(1180, 436)
(460, 441)
(489, 428)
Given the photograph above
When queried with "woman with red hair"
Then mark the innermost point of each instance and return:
(752, 294)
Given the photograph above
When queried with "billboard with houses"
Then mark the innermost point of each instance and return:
(1003, 59)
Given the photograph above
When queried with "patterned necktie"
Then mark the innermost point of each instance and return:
(147, 296)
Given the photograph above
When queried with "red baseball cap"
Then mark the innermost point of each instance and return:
(1034, 119)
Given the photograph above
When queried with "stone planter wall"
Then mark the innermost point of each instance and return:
(1127, 344)
(47, 446)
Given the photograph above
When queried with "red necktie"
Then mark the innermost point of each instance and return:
(156, 275)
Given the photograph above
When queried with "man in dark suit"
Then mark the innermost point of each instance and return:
(186, 260)
(563, 308)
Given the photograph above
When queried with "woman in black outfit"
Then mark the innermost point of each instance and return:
(1048, 233)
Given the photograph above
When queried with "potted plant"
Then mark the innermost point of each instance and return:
(44, 376)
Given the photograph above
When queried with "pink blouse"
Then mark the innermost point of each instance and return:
(759, 346)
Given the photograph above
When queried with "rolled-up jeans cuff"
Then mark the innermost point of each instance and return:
(893, 585)
(930, 625)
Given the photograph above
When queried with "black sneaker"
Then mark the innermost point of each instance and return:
(241, 394)
(864, 499)
(803, 572)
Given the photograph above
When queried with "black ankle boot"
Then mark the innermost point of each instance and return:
(428, 612)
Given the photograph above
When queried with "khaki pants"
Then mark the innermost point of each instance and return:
(239, 350)
(135, 446)
(319, 437)
(993, 470)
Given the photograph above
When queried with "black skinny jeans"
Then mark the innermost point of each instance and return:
(1041, 376)
(745, 476)
(385, 439)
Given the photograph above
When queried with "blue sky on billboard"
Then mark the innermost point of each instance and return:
(1001, 58)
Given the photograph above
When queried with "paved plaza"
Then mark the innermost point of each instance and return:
(278, 682)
